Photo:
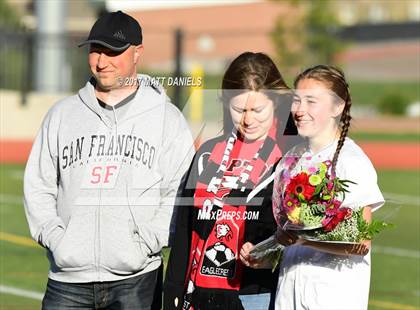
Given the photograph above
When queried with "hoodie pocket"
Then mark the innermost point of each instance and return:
(75, 250)
(123, 251)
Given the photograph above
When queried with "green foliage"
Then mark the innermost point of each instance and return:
(287, 41)
(369, 230)
(12, 62)
(8, 16)
(322, 26)
(326, 197)
(393, 103)
(275, 258)
(370, 92)
(319, 187)
(311, 216)
(319, 208)
(313, 39)
(287, 57)
(12, 57)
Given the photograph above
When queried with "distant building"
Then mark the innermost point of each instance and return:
(213, 34)
(385, 33)
(351, 12)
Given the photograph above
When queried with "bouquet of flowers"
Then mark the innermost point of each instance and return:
(311, 207)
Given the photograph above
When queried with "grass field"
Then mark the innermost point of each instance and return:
(395, 282)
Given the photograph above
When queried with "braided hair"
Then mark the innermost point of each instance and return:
(335, 80)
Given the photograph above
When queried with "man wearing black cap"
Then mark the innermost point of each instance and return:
(115, 47)
(102, 177)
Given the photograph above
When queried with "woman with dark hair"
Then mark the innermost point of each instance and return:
(226, 196)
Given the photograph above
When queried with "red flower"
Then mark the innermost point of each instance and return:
(330, 186)
(333, 207)
(299, 186)
(330, 222)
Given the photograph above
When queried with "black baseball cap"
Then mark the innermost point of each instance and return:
(116, 31)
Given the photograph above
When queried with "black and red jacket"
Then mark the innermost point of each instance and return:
(253, 281)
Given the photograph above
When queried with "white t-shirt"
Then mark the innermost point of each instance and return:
(311, 279)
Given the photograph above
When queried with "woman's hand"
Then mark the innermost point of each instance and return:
(286, 238)
(248, 261)
(361, 248)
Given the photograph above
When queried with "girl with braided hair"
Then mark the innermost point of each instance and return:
(322, 275)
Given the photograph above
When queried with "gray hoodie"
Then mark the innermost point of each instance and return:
(99, 191)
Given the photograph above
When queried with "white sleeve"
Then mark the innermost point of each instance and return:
(365, 192)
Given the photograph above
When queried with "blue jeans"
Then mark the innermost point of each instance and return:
(133, 293)
(257, 301)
